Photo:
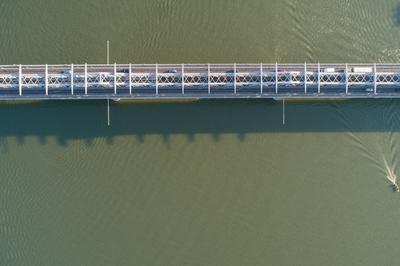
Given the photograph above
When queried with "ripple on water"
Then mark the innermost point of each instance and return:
(379, 140)
(342, 30)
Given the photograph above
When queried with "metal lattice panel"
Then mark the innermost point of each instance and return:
(360, 78)
(284, 77)
(269, 78)
(121, 78)
(169, 79)
(8, 80)
(58, 80)
(248, 78)
(140, 79)
(388, 78)
(312, 78)
(332, 78)
(220, 78)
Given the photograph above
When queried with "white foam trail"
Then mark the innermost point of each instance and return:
(391, 176)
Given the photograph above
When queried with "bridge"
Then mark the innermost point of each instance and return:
(196, 81)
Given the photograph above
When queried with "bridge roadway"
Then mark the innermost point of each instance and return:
(114, 81)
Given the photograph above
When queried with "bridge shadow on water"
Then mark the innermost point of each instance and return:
(396, 15)
(87, 120)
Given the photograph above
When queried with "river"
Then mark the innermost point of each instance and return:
(216, 182)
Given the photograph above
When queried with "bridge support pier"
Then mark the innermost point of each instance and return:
(108, 111)
(283, 112)
(20, 80)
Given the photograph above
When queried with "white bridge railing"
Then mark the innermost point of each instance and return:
(200, 79)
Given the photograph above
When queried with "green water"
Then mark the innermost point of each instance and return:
(199, 183)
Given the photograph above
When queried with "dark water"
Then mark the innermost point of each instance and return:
(199, 183)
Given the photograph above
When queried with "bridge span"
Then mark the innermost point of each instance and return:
(144, 81)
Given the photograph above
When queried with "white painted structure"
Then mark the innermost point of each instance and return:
(200, 81)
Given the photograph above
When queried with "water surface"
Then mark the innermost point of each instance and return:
(199, 183)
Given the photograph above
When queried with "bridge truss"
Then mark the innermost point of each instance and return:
(200, 80)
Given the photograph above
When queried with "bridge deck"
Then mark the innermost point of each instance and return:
(199, 81)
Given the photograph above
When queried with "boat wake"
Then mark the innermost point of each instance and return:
(391, 176)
